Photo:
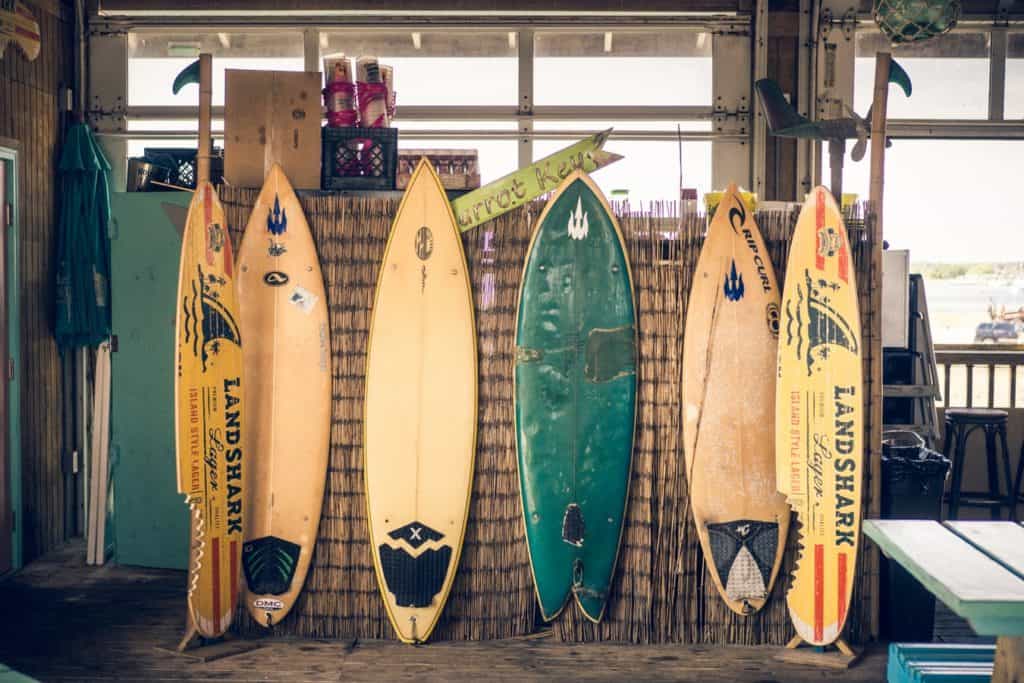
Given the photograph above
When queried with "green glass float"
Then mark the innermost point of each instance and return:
(913, 21)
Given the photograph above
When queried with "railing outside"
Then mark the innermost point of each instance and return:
(980, 375)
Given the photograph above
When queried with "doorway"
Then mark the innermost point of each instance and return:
(10, 446)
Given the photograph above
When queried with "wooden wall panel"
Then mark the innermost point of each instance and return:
(30, 114)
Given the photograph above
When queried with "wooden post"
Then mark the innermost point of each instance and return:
(1009, 664)
(836, 152)
(205, 102)
(878, 116)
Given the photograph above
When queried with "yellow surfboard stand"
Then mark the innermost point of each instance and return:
(819, 418)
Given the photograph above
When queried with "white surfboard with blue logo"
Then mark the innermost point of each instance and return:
(287, 357)
(729, 365)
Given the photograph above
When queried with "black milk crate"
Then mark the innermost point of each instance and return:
(358, 158)
(180, 163)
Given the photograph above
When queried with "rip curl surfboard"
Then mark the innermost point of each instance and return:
(208, 412)
(420, 415)
(729, 368)
(575, 396)
(287, 360)
(819, 417)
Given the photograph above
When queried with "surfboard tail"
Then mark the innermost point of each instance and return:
(744, 554)
(819, 613)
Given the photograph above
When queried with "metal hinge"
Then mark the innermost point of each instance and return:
(847, 24)
(735, 119)
(113, 343)
(10, 369)
(8, 214)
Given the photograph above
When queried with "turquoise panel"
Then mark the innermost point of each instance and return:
(575, 376)
(150, 519)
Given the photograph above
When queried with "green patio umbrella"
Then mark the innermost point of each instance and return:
(83, 246)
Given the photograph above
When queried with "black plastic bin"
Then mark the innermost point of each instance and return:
(913, 479)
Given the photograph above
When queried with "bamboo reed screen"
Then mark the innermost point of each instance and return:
(661, 592)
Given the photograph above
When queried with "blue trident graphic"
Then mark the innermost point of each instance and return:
(733, 284)
(277, 220)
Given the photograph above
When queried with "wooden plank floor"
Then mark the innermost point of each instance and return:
(68, 622)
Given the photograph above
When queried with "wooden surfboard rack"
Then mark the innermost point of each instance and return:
(838, 655)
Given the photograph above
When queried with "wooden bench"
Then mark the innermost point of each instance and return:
(977, 570)
(935, 662)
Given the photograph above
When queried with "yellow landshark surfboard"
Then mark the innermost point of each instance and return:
(287, 362)
(729, 369)
(819, 417)
(420, 409)
(208, 412)
(18, 25)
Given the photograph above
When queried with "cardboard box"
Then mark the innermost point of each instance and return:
(271, 116)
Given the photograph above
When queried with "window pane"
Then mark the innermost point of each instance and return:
(649, 170)
(668, 127)
(623, 68)
(439, 68)
(950, 76)
(406, 125)
(1015, 76)
(154, 59)
(216, 125)
(962, 236)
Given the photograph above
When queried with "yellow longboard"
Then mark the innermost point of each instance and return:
(420, 409)
(283, 317)
(819, 417)
(208, 412)
(729, 367)
(17, 25)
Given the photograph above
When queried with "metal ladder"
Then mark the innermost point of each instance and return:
(924, 390)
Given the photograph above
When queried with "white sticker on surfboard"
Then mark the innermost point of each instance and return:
(304, 299)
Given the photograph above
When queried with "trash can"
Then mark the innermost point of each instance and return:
(913, 479)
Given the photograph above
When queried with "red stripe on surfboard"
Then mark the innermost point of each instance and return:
(841, 570)
(25, 32)
(819, 223)
(819, 592)
(215, 567)
(234, 574)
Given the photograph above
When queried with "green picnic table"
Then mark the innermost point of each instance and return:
(975, 568)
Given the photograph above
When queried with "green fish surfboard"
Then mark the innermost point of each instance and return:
(575, 396)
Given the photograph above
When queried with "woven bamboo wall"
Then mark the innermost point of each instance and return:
(661, 592)
(30, 115)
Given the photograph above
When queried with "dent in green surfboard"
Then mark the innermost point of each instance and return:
(575, 399)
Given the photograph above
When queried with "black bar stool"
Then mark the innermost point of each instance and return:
(1016, 492)
(960, 424)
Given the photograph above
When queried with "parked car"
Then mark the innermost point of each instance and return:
(995, 332)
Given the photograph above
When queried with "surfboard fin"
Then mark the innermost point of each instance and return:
(190, 74)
